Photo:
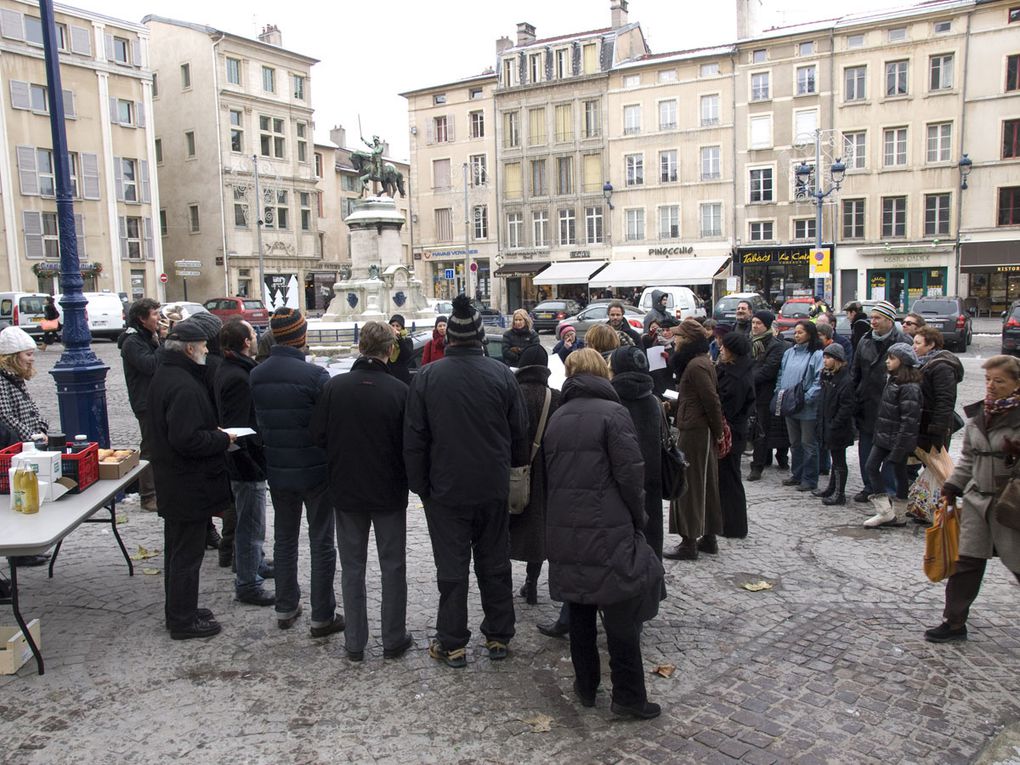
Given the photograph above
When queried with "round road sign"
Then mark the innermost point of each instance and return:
(474, 267)
(163, 279)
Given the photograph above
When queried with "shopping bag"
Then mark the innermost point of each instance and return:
(924, 495)
(942, 542)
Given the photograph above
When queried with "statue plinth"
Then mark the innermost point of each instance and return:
(380, 284)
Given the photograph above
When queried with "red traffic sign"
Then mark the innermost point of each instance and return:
(163, 278)
(474, 267)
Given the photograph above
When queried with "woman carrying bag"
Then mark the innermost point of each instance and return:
(796, 397)
(736, 395)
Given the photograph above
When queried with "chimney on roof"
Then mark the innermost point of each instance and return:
(525, 33)
(619, 13)
(271, 35)
(747, 19)
(503, 43)
(338, 136)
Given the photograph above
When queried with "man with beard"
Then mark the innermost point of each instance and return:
(619, 324)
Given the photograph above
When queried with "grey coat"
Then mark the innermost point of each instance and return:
(980, 471)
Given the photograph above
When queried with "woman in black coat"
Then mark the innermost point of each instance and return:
(520, 335)
(527, 530)
(770, 431)
(403, 351)
(598, 557)
(736, 394)
(836, 420)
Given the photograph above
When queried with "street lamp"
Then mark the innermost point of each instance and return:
(965, 164)
(837, 172)
(607, 192)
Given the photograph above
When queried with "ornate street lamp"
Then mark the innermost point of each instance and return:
(607, 192)
(965, 164)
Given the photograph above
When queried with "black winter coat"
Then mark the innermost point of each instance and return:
(138, 356)
(836, 413)
(941, 373)
(899, 415)
(188, 450)
(400, 368)
(232, 386)
(858, 329)
(527, 530)
(514, 343)
(594, 531)
(465, 418)
(359, 421)
(285, 389)
(869, 375)
(770, 428)
(736, 394)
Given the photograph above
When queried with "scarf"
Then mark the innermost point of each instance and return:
(395, 349)
(998, 406)
(758, 344)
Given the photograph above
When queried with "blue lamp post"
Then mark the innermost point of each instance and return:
(79, 374)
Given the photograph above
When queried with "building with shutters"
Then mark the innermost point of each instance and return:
(226, 106)
(107, 102)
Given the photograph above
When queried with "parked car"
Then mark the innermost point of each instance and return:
(548, 314)
(795, 309)
(1011, 329)
(252, 310)
(23, 309)
(598, 313)
(949, 315)
(680, 301)
(105, 313)
(726, 308)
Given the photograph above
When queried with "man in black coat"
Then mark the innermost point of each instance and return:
(190, 470)
(285, 389)
(359, 421)
(767, 355)
(465, 417)
(138, 346)
(247, 464)
(618, 321)
(859, 324)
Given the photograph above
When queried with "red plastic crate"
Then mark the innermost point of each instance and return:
(5, 466)
(81, 466)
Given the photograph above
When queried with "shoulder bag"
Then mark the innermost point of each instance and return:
(789, 401)
(673, 463)
(520, 477)
(1007, 501)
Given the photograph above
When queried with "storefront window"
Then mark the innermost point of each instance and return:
(902, 286)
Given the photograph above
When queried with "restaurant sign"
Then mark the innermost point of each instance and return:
(755, 257)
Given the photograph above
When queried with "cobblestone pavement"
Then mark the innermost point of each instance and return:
(827, 666)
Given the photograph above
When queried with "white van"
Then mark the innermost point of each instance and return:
(105, 313)
(23, 309)
(681, 302)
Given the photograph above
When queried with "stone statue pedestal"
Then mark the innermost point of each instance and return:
(380, 285)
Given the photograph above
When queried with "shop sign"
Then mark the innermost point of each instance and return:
(659, 251)
(903, 260)
(440, 254)
(526, 254)
(774, 256)
(819, 263)
(1005, 269)
(580, 254)
(417, 256)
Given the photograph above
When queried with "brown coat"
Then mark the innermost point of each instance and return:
(698, 406)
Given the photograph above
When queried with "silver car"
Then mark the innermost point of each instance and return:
(598, 313)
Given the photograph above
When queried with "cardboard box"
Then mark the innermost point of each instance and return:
(50, 468)
(49, 491)
(14, 648)
(111, 471)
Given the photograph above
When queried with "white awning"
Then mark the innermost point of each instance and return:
(680, 272)
(569, 272)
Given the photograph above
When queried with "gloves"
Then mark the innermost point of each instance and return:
(950, 492)
(937, 441)
(1011, 446)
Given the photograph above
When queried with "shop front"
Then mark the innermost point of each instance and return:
(319, 290)
(519, 278)
(902, 275)
(993, 272)
(568, 275)
(449, 272)
(777, 273)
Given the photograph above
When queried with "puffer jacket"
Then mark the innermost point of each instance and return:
(869, 374)
(941, 373)
(514, 343)
(736, 394)
(836, 417)
(802, 366)
(595, 510)
(657, 313)
(899, 414)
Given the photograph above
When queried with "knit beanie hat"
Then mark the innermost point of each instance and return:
(534, 356)
(629, 358)
(885, 308)
(465, 322)
(736, 343)
(187, 331)
(210, 323)
(15, 340)
(721, 330)
(905, 353)
(836, 351)
(567, 328)
(440, 320)
(288, 327)
(765, 317)
(397, 319)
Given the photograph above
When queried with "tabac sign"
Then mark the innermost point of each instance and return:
(774, 255)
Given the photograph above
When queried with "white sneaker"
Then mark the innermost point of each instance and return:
(884, 513)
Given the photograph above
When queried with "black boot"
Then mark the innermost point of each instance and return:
(829, 490)
(529, 591)
(838, 497)
(212, 537)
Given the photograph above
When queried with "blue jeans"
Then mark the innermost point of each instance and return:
(888, 474)
(322, 547)
(803, 451)
(250, 534)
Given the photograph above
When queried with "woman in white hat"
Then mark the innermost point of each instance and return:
(19, 416)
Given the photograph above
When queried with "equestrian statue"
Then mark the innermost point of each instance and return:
(371, 167)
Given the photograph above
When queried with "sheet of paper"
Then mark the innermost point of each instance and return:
(655, 358)
(672, 395)
(239, 432)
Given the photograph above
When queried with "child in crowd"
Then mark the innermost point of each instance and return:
(836, 424)
(568, 343)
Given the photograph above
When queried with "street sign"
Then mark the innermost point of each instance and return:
(163, 279)
(187, 264)
(474, 267)
(818, 263)
(188, 273)
(448, 273)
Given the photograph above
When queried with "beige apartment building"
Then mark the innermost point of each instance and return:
(452, 184)
(106, 83)
(227, 107)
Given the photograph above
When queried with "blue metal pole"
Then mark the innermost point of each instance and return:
(79, 374)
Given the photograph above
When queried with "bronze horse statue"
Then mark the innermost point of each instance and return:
(391, 179)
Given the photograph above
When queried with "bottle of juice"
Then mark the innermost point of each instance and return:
(31, 484)
(18, 490)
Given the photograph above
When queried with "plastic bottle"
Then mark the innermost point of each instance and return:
(81, 443)
(31, 484)
(18, 489)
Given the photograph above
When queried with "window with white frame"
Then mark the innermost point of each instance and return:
(804, 228)
(668, 166)
(564, 175)
(760, 86)
(761, 230)
(132, 239)
(939, 142)
(439, 99)
(711, 162)
(634, 229)
(509, 72)
(894, 147)
(125, 112)
(710, 215)
(761, 187)
(806, 48)
(129, 179)
(513, 182)
(759, 56)
(276, 209)
(38, 98)
(635, 169)
(669, 222)
(942, 27)
(898, 34)
(708, 70)
(632, 81)
(268, 79)
(511, 130)
(444, 224)
(853, 218)
(568, 226)
(760, 131)
(302, 141)
(540, 228)
(535, 68)
(240, 208)
(158, 146)
(185, 76)
(667, 115)
(896, 78)
(234, 71)
(563, 64)
(45, 172)
(940, 72)
(480, 221)
(194, 224)
(50, 236)
(272, 138)
(592, 118)
(855, 83)
(710, 109)
(894, 216)
(1013, 73)
(305, 208)
(936, 214)
(590, 58)
(440, 129)
(514, 230)
(122, 50)
(593, 233)
(479, 169)
(298, 86)
(855, 149)
(477, 122)
(667, 75)
(236, 130)
(563, 114)
(806, 80)
(632, 119)
(539, 182)
(855, 41)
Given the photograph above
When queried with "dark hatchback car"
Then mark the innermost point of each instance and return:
(1011, 329)
(949, 315)
(547, 314)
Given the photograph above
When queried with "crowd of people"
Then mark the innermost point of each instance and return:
(345, 452)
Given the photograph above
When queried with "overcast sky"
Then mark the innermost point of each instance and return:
(371, 51)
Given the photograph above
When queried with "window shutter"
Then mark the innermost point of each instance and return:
(144, 180)
(12, 24)
(122, 221)
(26, 170)
(33, 235)
(118, 178)
(449, 129)
(69, 111)
(150, 253)
(140, 114)
(430, 136)
(81, 41)
(21, 97)
(114, 116)
(109, 47)
(136, 53)
(90, 176)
